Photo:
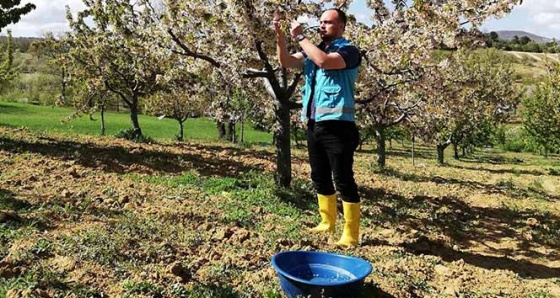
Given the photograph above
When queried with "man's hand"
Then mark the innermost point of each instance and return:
(296, 29)
(278, 17)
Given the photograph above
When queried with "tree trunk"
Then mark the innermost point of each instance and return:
(102, 120)
(180, 137)
(464, 151)
(295, 128)
(242, 139)
(63, 87)
(134, 119)
(282, 141)
(221, 130)
(412, 139)
(440, 150)
(363, 138)
(380, 140)
(455, 151)
(230, 131)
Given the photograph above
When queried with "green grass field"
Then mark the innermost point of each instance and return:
(53, 119)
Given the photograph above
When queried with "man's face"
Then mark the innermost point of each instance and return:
(330, 27)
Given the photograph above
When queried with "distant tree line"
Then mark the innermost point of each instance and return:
(19, 43)
(521, 44)
(10, 13)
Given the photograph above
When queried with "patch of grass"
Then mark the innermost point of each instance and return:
(421, 284)
(96, 244)
(47, 277)
(21, 282)
(273, 294)
(238, 214)
(38, 276)
(212, 290)
(540, 294)
(536, 185)
(133, 288)
(9, 232)
(507, 184)
(42, 247)
(216, 185)
(177, 290)
(249, 190)
(132, 226)
(85, 291)
(188, 179)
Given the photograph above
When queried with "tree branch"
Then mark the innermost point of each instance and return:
(269, 69)
(189, 53)
(293, 86)
(122, 96)
(263, 57)
(295, 105)
(253, 73)
(379, 70)
(384, 90)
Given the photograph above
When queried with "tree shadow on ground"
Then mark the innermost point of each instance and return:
(490, 158)
(13, 210)
(20, 213)
(501, 187)
(8, 201)
(525, 269)
(303, 198)
(9, 109)
(469, 226)
(423, 153)
(501, 171)
(371, 290)
(118, 159)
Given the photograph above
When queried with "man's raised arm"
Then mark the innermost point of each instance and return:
(286, 60)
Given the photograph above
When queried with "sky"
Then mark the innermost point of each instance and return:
(541, 17)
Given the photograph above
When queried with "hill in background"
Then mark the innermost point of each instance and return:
(510, 34)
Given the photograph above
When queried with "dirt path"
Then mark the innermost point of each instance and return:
(536, 56)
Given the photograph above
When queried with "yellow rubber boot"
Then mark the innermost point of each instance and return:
(327, 210)
(351, 232)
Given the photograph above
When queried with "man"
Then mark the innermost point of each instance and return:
(330, 71)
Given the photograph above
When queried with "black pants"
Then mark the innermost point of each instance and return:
(331, 146)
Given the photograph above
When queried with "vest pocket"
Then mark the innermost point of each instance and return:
(329, 96)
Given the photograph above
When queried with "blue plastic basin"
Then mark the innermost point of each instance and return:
(320, 274)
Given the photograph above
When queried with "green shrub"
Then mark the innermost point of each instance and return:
(554, 172)
(33, 87)
(130, 134)
(516, 139)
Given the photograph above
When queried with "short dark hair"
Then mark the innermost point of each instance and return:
(341, 14)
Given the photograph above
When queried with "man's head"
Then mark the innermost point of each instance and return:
(332, 24)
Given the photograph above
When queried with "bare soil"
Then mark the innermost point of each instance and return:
(82, 215)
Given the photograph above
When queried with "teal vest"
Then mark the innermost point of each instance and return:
(334, 89)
